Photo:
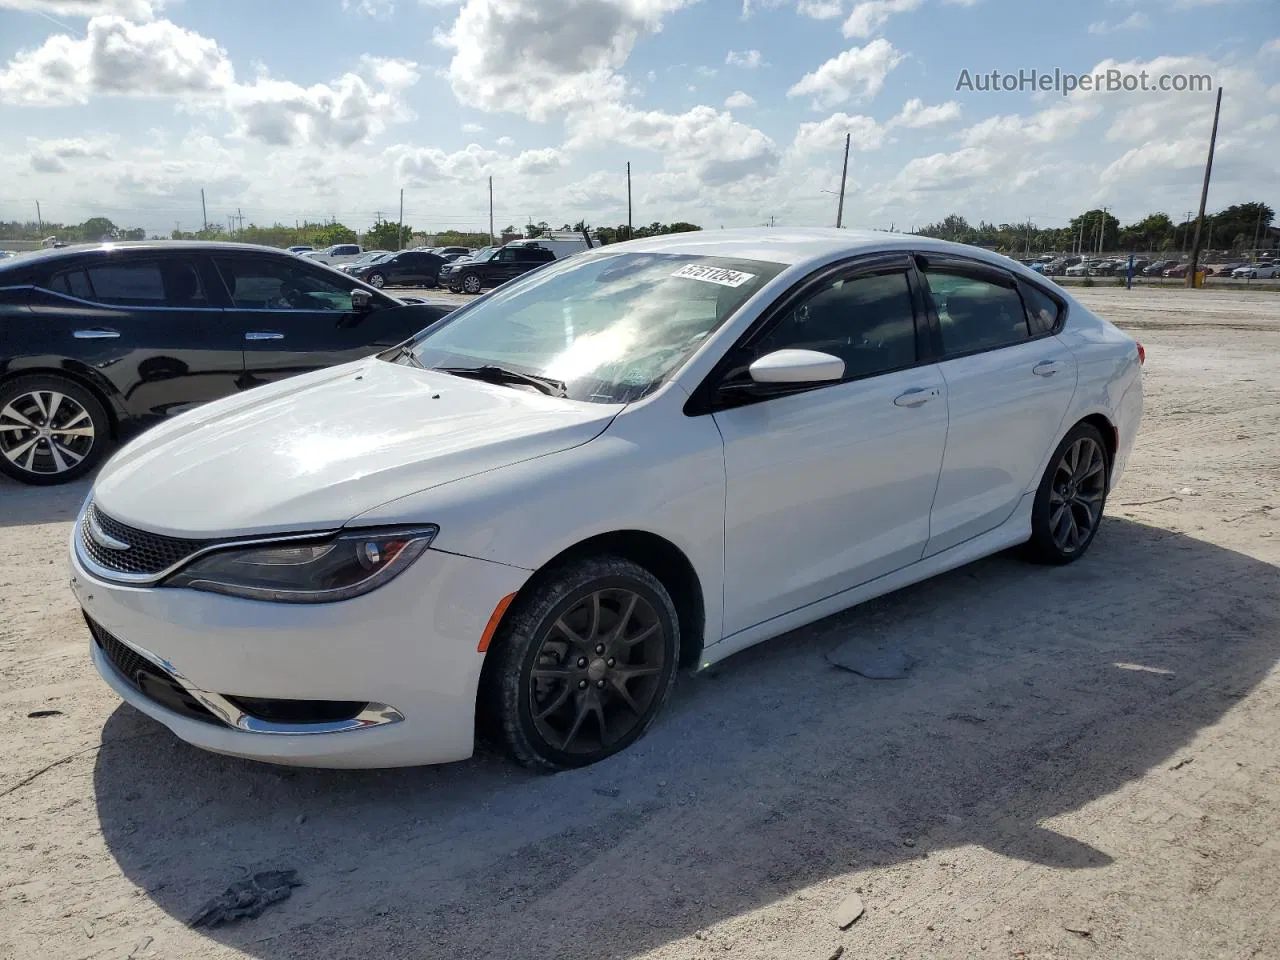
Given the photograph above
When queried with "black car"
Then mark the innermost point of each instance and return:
(412, 268)
(503, 264)
(96, 342)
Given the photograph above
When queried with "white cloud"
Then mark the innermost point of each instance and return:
(705, 71)
(129, 9)
(506, 142)
(915, 114)
(859, 71)
(869, 15)
(1271, 47)
(51, 156)
(864, 132)
(747, 59)
(353, 108)
(537, 59)
(1134, 21)
(472, 128)
(819, 9)
(739, 100)
(116, 57)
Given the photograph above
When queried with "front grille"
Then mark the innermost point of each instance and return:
(148, 679)
(148, 553)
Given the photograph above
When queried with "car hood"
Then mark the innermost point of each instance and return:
(311, 452)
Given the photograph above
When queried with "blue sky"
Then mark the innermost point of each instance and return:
(730, 111)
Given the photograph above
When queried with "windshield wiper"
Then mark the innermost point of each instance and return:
(491, 373)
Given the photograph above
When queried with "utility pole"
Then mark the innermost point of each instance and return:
(400, 232)
(39, 219)
(1204, 194)
(844, 174)
(204, 213)
(630, 232)
(1253, 250)
(491, 239)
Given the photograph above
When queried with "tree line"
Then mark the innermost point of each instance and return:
(1238, 228)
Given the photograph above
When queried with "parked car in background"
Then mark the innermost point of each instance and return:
(1082, 268)
(300, 248)
(337, 254)
(1158, 268)
(97, 341)
(1177, 271)
(369, 256)
(1223, 269)
(451, 252)
(505, 263)
(539, 510)
(6, 254)
(412, 268)
(1256, 271)
(1059, 266)
(560, 247)
(1103, 268)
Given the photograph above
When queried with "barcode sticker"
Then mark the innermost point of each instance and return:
(726, 278)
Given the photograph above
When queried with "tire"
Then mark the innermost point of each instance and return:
(377, 280)
(1069, 499)
(54, 449)
(454, 288)
(599, 692)
(471, 283)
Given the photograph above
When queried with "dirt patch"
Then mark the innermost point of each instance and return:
(1081, 762)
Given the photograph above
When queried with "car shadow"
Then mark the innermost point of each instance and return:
(23, 505)
(1034, 692)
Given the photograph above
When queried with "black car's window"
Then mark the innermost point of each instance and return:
(868, 322)
(144, 283)
(279, 285)
(507, 255)
(975, 314)
(1042, 310)
(73, 283)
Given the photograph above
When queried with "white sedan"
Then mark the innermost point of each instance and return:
(1256, 271)
(645, 457)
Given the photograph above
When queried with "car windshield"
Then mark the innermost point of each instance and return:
(611, 327)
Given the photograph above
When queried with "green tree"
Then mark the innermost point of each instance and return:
(385, 235)
(97, 229)
(331, 233)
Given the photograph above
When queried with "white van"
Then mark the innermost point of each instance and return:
(560, 246)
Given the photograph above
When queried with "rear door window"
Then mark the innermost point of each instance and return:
(73, 283)
(140, 283)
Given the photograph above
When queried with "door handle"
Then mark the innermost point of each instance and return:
(263, 335)
(915, 397)
(1045, 368)
(96, 334)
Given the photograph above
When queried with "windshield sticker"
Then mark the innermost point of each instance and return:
(726, 278)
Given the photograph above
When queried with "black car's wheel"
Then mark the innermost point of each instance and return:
(52, 430)
(471, 282)
(1072, 495)
(377, 280)
(582, 663)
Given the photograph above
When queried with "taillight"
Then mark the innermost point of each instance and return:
(1142, 354)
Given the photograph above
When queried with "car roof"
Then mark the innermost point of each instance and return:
(154, 246)
(800, 246)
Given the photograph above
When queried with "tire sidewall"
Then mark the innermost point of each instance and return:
(83, 396)
(521, 637)
(1042, 543)
(470, 281)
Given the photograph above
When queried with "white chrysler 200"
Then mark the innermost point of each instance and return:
(644, 457)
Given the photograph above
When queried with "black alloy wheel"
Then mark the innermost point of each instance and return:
(582, 664)
(1071, 498)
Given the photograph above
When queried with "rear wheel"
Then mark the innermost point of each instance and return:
(1072, 495)
(52, 430)
(582, 664)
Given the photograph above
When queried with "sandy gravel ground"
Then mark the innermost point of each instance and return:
(1083, 763)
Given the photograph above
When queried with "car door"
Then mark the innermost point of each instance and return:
(506, 264)
(294, 317)
(829, 487)
(148, 322)
(1009, 382)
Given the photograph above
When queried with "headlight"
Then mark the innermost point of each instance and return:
(324, 571)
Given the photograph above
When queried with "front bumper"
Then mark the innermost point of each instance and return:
(407, 650)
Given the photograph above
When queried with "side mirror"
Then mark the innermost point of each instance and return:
(361, 300)
(796, 367)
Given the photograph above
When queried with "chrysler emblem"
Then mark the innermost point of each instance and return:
(102, 538)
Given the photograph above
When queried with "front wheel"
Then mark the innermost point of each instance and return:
(471, 283)
(52, 430)
(582, 664)
(1072, 495)
(377, 280)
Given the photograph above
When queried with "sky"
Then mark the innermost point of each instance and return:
(730, 112)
